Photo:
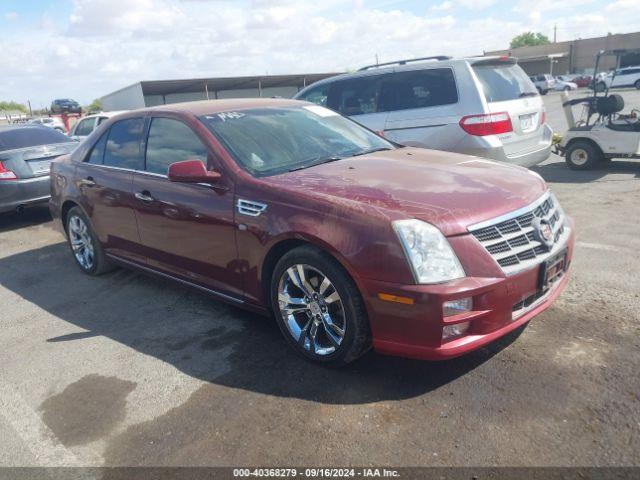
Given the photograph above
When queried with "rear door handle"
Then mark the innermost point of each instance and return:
(87, 182)
(144, 197)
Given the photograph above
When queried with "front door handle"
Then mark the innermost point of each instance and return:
(87, 182)
(144, 197)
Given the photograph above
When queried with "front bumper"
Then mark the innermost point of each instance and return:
(24, 192)
(415, 330)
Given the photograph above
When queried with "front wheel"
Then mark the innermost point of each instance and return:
(318, 307)
(637, 84)
(600, 87)
(582, 155)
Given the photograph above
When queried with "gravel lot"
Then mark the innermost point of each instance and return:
(131, 370)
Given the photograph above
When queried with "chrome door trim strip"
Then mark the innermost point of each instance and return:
(179, 280)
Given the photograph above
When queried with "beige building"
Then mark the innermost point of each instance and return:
(575, 56)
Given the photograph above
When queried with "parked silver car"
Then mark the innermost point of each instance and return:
(484, 106)
(26, 152)
(88, 124)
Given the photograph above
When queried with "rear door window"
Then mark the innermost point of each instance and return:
(317, 95)
(123, 144)
(418, 89)
(504, 82)
(97, 152)
(356, 96)
(172, 141)
(85, 127)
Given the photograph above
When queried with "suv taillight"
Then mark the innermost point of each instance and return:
(5, 173)
(487, 124)
(543, 117)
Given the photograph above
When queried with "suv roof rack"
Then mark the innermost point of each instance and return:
(404, 62)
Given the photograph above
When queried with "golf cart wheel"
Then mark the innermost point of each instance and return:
(637, 84)
(582, 155)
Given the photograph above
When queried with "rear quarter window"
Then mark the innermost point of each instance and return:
(355, 96)
(504, 82)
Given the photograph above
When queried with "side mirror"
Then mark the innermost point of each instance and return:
(191, 171)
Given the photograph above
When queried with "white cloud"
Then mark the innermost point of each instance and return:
(107, 44)
(11, 16)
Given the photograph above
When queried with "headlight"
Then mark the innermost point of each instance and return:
(429, 253)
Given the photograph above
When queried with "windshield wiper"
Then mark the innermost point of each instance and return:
(528, 94)
(372, 150)
(316, 162)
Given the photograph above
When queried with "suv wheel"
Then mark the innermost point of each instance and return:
(84, 244)
(318, 307)
(637, 84)
(582, 155)
(600, 87)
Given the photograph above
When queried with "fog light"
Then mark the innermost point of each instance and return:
(454, 307)
(456, 330)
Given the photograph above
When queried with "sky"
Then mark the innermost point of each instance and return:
(84, 49)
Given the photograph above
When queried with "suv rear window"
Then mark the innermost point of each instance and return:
(14, 138)
(504, 82)
(418, 89)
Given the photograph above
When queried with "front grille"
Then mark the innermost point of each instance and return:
(511, 240)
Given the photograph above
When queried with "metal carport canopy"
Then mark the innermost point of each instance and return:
(167, 87)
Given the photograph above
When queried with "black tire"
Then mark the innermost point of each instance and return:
(637, 84)
(99, 264)
(600, 87)
(582, 155)
(539, 90)
(566, 88)
(544, 92)
(356, 339)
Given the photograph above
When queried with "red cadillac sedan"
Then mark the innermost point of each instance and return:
(287, 208)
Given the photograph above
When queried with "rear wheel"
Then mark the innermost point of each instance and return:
(582, 155)
(318, 307)
(637, 84)
(84, 244)
(566, 88)
(600, 87)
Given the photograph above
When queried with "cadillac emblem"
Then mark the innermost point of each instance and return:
(543, 232)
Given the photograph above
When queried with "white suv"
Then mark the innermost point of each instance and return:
(483, 106)
(624, 77)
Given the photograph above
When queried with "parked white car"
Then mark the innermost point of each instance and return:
(88, 124)
(564, 85)
(625, 77)
(543, 83)
(51, 122)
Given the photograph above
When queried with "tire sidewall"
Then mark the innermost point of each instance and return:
(637, 84)
(339, 278)
(592, 156)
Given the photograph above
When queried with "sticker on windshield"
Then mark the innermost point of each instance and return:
(320, 111)
(224, 116)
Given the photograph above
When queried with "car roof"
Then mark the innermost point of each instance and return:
(18, 126)
(205, 107)
(105, 114)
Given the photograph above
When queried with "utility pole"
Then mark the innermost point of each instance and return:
(30, 112)
(376, 59)
(555, 31)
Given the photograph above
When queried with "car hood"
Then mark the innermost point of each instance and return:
(450, 191)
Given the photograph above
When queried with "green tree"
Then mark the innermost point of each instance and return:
(13, 106)
(95, 106)
(529, 39)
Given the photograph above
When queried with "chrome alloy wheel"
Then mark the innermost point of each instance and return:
(579, 156)
(81, 242)
(312, 309)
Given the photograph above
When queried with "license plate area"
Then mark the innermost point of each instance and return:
(526, 122)
(39, 166)
(551, 270)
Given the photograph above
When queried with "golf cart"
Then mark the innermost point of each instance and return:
(602, 132)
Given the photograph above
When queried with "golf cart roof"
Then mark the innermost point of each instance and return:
(618, 52)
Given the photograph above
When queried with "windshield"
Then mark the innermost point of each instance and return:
(273, 140)
(14, 138)
(504, 82)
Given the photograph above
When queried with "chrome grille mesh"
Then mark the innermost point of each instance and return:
(511, 240)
